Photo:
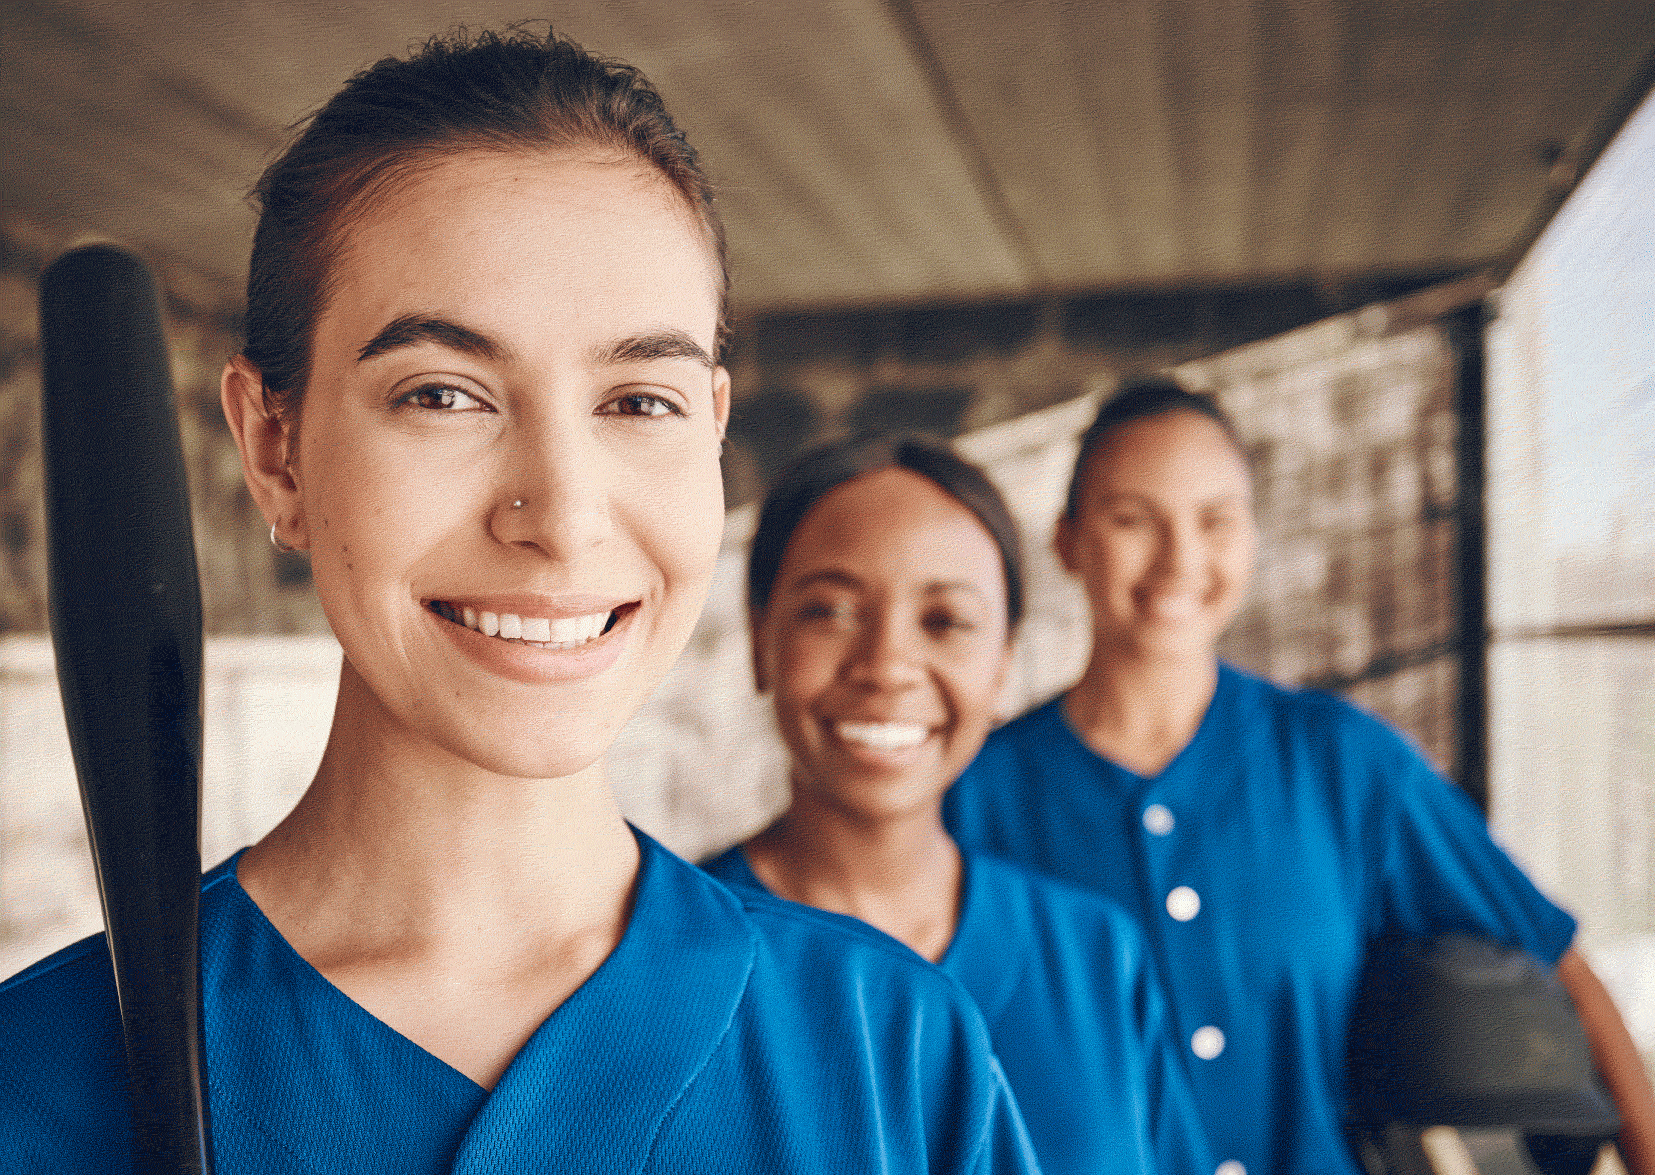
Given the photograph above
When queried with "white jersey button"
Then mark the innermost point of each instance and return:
(1158, 819)
(1183, 903)
(1230, 1167)
(1207, 1042)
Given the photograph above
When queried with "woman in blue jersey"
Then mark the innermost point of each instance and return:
(481, 388)
(884, 588)
(1263, 836)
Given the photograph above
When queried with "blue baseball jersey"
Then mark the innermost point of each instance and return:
(1293, 830)
(724, 1033)
(1077, 1018)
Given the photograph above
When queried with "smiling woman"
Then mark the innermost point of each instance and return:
(481, 388)
(884, 589)
(1264, 837)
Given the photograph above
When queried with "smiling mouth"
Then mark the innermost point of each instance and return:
(569, 632)
(882, 736)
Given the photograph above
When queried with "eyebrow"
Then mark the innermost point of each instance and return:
(424, 328)
(847, 580)
(411, 329)
(660, 344)
(1108, 497)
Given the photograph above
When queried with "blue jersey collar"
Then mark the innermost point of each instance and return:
(294, 1054)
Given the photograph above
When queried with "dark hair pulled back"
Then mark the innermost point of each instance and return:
(1140, 399)
(515, 91)
(827, 467)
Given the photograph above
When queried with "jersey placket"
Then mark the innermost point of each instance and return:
(1173, 916)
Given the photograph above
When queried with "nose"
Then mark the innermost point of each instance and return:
(552, 491)
(1180, 555)
(887, 656)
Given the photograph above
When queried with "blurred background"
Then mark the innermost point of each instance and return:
(1410, 245)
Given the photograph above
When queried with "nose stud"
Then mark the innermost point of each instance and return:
(518, 504)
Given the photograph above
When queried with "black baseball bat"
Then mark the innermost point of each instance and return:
(126, 626)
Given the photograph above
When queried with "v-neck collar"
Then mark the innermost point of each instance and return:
(311, 1067)
(1059, 716)
(990, 917)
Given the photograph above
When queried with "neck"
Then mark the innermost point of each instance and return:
(900, 873)
(399, 846)
(1140, 709)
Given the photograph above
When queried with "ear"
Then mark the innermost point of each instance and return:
(265, 442)
(721, 401)
(1063, 542)
(755, 634)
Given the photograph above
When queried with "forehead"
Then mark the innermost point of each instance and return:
(1180, 452)
(554, 238)
(893, 525)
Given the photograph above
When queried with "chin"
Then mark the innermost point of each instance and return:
(1183, 640)
(531, 763)
(521, 749)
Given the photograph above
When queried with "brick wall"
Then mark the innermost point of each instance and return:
(952, 369)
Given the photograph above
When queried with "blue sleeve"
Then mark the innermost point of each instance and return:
(1443, 872)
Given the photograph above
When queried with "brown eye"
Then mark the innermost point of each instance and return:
(943, 623)
(641, 404)
(825, 613)
(443, 398)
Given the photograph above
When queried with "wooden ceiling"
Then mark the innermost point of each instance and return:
(872, 152)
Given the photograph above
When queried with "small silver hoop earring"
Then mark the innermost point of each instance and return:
(518, 504)
(278, 544)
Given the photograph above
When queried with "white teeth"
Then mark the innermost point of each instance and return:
(884, 736)
(534, 628)
(564, 633)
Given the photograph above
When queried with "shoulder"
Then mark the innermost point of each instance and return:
(61, 1066)
(796, 951)
(791, 935)
(851, 981)
(1021, 745)
(731, 868)
(1324, 719)
(788, 930)
(1032, 726)
(79, 972)
(1057, 911)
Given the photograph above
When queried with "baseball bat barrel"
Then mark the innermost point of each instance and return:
(126, 626)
